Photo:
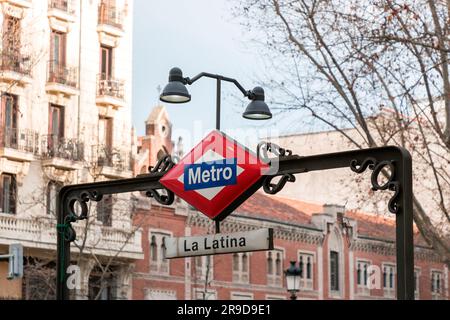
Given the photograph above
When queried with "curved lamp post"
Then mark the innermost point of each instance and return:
(176, 92)
(293, 276)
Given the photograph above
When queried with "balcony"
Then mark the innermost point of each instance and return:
(63, 10)
(110, 19)
(110, 91)
(40, 232)
(19, 145)
(15, 67)
(61, 79)
(62, 153)
(112, 162)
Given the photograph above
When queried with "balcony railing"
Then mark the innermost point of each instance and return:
(109, 14)
(112, 157)
(21, 140)
(61, 74)
(16, 62)
(41, 233)
(62, 148)
(62, 5)
(108, 86)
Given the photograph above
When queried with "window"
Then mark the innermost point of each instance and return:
(9, 115)
(158, 262)
(58, 48)
(102, 285)
(11, 38)
(436, 284)
(389, 280)
(153, 249)
(105, 210)
(305, 261)
(241, 267)
(55, 127)
(105, 129)
(362, 277)
(8, 193)
(53, 188)
(334, 271)
(204, 267)
(106, 56)
(274, 266)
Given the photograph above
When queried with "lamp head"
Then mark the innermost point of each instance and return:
(175, 91)
(257, 109)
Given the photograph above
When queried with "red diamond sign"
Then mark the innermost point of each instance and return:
(214, 175)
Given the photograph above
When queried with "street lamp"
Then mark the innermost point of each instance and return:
(293, 280)
(176, 92)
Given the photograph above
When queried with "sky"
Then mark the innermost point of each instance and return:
(196, 36)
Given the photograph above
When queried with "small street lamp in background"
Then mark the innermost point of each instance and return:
(176, 92)
(293, 280)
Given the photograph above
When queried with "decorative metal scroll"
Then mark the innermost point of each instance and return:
(163, 165)
(83, 197)
(263, 150)
(377, 167)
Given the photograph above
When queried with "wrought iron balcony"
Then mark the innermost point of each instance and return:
(20, 140)
(62, 5)
(108, 86)
(110, 15)
(57, 73)
(15, 62)
(57, 147)
(115, 158)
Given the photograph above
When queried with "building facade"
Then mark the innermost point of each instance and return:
(343, 254)
(65, 81)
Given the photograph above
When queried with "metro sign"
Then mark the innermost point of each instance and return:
(215, 176)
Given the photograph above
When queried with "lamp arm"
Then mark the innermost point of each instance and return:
(219, 77)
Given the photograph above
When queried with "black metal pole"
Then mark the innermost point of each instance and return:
(218, 97)
(375, 159)
(218, 105)
(400, 204)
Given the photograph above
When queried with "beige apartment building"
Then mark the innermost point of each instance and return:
(65, 82)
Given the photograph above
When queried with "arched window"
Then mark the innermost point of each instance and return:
(308, 269)
(154, 249)
(391, 279)
(53, 187)
(244, 262)
(301, 266)
(269, 263)
(336, 264)
(365, 274)
(235, 262)
(278, 264)
(163, 248)
(358, 274)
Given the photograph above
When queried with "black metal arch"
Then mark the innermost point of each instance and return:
(399, 181)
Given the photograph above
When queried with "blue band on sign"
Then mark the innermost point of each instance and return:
(210, 174)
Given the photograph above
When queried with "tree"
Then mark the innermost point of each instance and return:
(378, 67)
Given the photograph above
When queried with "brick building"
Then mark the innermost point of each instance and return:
(343, 254)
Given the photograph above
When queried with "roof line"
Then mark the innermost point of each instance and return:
(278, 221)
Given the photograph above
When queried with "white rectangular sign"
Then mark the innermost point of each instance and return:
(256, 240)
